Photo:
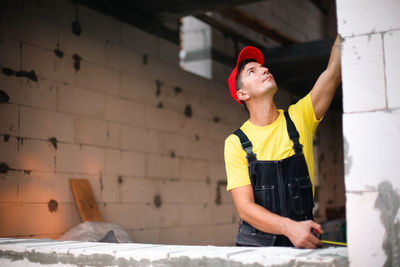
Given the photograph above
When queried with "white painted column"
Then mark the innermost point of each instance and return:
(371, 128)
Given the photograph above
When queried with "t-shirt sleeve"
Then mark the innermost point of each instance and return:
(305, 110)
(236, 165)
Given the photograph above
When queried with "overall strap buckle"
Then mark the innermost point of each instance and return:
(246, 145)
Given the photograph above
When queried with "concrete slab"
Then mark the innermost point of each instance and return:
(32, 252)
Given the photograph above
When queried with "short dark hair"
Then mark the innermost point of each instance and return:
(238, 81)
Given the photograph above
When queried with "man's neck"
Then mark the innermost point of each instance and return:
(263, 113)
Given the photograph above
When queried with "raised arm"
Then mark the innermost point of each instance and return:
(299, 233)
(327, 83)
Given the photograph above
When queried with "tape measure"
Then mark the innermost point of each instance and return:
(334, 243)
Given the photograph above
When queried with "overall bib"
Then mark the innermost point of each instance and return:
(281, 186)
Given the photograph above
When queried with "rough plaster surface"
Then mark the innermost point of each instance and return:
(32, 252)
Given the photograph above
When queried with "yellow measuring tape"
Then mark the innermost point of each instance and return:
(334, 243)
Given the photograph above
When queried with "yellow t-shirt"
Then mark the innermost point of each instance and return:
(271, 142)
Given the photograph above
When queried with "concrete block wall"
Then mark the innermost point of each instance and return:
(370, 64)
(118, 121)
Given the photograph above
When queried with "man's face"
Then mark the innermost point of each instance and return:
(257, 80)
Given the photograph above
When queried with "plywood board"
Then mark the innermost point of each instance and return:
(84, 200)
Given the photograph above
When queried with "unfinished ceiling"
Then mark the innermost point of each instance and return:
(296, 64)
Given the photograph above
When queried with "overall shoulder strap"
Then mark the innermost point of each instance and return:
(246, 145)
(293, 134)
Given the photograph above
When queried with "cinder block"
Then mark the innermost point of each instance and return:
(45, 64)
(28, 155)
(165, 120)
(10, 52)
(196, 128)
(41, 220)
(91, 131)
(363, 74)
(216, 170)
(89, 48)
(139, 41)
(40, 94)
(9, 152)
(40, 187)
(125, 60)
(391, 42)
(193, 214)
(80, 102)
(196, 170)
(99, 25)
(42, 124)
(62, 12)
(168, 52)
(362, 217)
(201, 192)
(19, 26)
(139, 89)
(175, 145)
(96, 77)
(203, 234)
(129, 216)
(9, 116)
(371, 17)
(139, 190)
(110, 189)
(79, 159)
(9, 187)
(175, 191)
(125, 111)
(36, 156)
(369, 134)
(175, 235)
(207, 150)
(219, 131)
(119, 162)
(162, 167)
(139, 139)
(113, 135)
(221, 214)
(165, 216)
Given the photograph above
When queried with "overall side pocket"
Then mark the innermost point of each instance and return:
(301, 197)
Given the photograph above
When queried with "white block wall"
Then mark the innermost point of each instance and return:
(370, 65)
(109, 130)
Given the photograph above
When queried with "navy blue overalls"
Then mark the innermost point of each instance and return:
(281, 186)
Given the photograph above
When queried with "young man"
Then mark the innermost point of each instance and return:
(269, 160)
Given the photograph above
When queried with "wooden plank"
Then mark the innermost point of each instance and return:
(84, 200)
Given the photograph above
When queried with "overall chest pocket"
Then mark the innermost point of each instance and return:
(265, 196)
(300, 195)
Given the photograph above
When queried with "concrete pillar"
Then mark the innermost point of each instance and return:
(371, 123)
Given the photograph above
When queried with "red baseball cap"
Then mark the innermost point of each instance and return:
(249, 52)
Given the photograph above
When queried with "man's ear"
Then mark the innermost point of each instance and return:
(242, 94)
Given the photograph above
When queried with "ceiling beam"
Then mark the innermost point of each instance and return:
(132, 17)
(257, 25)
(228, 30)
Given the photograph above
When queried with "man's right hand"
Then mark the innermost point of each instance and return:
(301, 236)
